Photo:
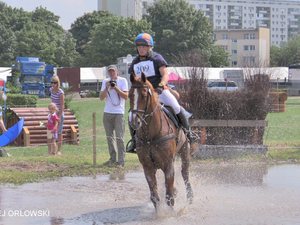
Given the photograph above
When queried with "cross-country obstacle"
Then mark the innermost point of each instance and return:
(35, 134)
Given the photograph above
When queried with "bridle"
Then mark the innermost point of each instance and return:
(145, 115)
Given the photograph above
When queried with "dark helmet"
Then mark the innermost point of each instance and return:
(144, 39)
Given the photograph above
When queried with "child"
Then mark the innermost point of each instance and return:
(52, 126)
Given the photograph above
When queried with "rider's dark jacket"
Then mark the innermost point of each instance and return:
(149, 66)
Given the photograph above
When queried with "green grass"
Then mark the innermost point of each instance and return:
(29, 164)
(283, 132)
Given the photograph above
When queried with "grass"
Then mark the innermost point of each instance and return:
(30, 164)
(283, 132)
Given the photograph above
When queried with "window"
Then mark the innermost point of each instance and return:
(234, 63)
(246, 47)
(224, 36)
(225, 47)
(234, 40)
(252, 36)
(234, 51)
(246, 36)
(249, 60)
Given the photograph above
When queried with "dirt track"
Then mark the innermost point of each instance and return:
(224, 194)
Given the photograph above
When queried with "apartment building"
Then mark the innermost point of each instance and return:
(282, 17)
(125, 8)
(246, 47)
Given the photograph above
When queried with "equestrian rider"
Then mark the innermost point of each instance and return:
(154, 66)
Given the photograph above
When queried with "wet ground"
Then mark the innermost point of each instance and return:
(224, 194)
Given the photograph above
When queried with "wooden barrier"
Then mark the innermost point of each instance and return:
(224, 151)
(203, 124)
(34, 134)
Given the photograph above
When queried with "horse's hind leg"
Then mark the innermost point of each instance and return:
(152, 183)
(185, 160)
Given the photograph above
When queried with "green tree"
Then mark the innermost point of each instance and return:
(218, 57)
(113, 38)
(7, 46)
(286, 55)
(34, 33)
(83, 26)
(179, 28)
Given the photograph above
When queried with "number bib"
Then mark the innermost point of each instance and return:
(147, 67)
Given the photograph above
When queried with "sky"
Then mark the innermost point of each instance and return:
(67, 10)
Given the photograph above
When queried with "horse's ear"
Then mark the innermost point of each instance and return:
(143, 76)
(132, 77)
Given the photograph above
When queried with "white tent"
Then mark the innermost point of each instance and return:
(92, 75)
(4, 73)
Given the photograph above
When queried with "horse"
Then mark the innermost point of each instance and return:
(158, 141)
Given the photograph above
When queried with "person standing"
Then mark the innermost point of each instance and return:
(52, 126)
(2, 126)
(114, 91)
(58, 98)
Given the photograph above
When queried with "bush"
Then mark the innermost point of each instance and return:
(250, 103)
(20, 100)
(92, 94)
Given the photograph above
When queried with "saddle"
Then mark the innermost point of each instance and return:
(171, 115)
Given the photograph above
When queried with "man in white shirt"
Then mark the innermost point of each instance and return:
(114, 91)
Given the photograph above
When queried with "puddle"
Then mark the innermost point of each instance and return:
(224, 194)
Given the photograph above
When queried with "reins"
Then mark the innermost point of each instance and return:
(145, 116)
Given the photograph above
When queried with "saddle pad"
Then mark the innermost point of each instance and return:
(170, 113)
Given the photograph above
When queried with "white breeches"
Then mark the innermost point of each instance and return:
(168, 99)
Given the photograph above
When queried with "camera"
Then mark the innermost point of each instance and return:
(112, 83)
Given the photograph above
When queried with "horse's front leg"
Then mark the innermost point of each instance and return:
(169, 182)
(152, 183)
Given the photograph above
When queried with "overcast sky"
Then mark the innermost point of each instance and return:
(67, 10)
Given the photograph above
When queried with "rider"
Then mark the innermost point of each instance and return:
(154, 66)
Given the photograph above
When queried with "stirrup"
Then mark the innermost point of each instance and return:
(194, 137)
(130, 147)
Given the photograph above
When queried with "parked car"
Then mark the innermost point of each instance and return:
(222, 86)
(84, 94)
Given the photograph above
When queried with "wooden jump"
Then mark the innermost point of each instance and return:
(203, 124)
(226, 151)
(34, 134)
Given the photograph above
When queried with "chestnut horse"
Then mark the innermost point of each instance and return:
(157, 140)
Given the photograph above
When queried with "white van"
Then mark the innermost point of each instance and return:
(222, 86)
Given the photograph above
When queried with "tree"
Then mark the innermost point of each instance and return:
(82, 27)
(218, 57)
(7, 46)
(34, 33)
(179, 28)
(113, 38)
(287, 54)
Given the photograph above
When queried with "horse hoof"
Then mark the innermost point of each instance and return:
(175, 192)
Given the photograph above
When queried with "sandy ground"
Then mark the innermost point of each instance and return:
(224, 194)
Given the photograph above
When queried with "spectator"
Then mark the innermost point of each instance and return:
(58, 98)
(52, 126)
(114, 91)
(2, 126)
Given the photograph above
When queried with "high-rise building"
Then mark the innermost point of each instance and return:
(125, 8)
(245, 47)
(282, 17)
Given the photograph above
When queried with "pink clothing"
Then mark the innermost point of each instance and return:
(52, 119)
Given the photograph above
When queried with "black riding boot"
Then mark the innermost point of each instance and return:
(185, 124)
(131, 145)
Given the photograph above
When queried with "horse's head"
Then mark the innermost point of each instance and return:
(142, 99)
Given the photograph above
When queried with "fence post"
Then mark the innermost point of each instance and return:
(94, 139)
